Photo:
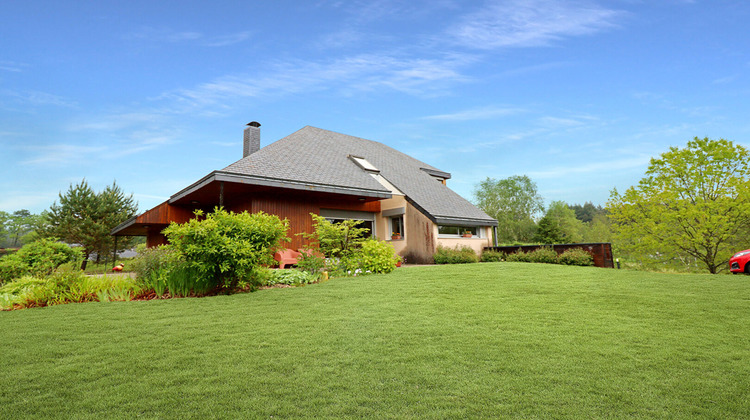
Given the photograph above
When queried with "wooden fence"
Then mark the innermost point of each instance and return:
(601, 251)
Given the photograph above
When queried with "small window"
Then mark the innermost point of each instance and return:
(457, 231)
(397, 225)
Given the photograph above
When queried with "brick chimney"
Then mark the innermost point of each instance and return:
(251, 142)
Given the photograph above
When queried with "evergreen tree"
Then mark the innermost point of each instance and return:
(86, 218)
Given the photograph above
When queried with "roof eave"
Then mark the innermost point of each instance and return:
(278, 183)
(122, 226)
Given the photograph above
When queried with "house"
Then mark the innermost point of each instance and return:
(338, 177)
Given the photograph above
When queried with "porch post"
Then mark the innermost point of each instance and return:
(221, 194)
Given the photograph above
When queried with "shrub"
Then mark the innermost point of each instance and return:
(492, 256)
(151, 261)
(377, 257)
(65, 287)
(519, 256)
(544, 255)
(576, 256)
(38, 258)
(455, 255)
(288, 277)
(226, 247)
(311, 262)
(336, 240)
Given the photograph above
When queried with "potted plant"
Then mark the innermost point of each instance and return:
(467, 234)
(395, 236)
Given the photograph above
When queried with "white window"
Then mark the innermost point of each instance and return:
(447, 231)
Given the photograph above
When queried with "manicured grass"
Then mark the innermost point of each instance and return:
(478, 340)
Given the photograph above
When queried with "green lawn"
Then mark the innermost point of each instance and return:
(479, 340)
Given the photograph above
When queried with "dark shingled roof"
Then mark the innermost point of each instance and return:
(314, 155)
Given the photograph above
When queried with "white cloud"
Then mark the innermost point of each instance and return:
(37, 98)
(577, 168)
(530, 23)
(347, 75)
(484, 113)
(171, 36)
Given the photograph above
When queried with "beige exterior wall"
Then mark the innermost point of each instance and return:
(477, 244)
(382, 227)
(420, 234)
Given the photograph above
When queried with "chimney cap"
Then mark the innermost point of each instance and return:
(254, 124)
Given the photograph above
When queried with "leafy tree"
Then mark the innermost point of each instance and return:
(225, 247)
(598, 230)
(559, 225)
(690, 206)
(85, 217)
(3, 225)
(588, 211)
(514, 202)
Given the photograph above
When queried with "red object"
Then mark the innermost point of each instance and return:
(286, 257)
(118, 267)
(398, 263)
(740, 262)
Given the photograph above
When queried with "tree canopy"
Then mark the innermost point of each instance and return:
(85, 217)
(690, 205)
(559, 225)
(514, 202)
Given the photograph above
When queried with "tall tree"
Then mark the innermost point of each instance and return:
(559, 225)
(690, 206)
(514, 202)
(86, 218)
(19, 224)
(3, 226)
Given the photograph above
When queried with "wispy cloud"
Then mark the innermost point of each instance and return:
(484, 113)
(577, 168)
(11, 66)
(530, 23)
(37, 98)
(171, 36)
(61, 153)
(347, 75)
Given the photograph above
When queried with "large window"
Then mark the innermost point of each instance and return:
(457, 231)
(366, 219)
(367, 224)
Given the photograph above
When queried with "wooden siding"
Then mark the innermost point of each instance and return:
(165, 213)
(297, 210)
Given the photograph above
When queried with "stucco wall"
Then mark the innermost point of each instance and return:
(477, 244)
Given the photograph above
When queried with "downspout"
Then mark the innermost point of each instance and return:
(494, 235)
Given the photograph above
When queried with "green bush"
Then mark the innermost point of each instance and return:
(65, 287)
(462, 255)
(544, 255)
(38, 258)
(150, 261)
(311, 262)
(519, 256)
(576, 256)
(224, 248)
(377, 257)
(492, 256)
(288, 277)
(163, 270)
(336, 240)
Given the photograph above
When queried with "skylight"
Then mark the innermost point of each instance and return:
(364, 164)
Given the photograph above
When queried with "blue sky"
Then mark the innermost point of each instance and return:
(578, 95)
